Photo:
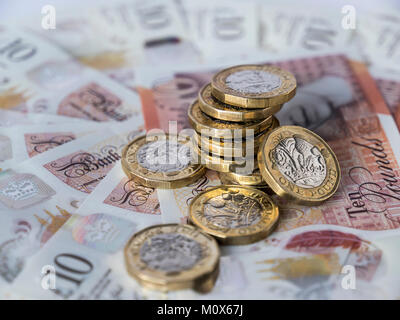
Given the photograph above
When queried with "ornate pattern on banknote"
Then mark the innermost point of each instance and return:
(19, 191)
(134, 197)
(92, 102)
(83, 170)
(40, 142)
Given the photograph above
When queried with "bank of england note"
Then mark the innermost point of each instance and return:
(303, 31)
(120, 196)
(39, 77)
(115, 38)
(38, 195)
(224, 28)
(313, 262)
(157, 28)
(12, 118)
(339, 100)
(21, 142)
(86, 260)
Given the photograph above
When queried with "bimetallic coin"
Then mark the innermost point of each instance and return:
(210, 127)
(299, 165)
(253, 86)
(161, 161)
(233, 148)
(173, 257)
(234, 214)
(241, 165)
(222, 111)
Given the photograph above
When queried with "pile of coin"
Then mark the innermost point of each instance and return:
(232, 116)
(289, 161)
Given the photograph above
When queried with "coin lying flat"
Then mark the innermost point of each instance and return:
(299, 165)
(173, 257)
(222, 111)
(210, 127)
(234, 214)
(243, 147)
(236, 149)
(253, 86)
(161, 161)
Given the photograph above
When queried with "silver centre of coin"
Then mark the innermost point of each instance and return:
(232, 210)
(300, 162)
(253, 81)
(164, 156)
(171, 252)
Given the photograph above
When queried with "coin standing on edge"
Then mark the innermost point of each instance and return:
(207, 126)
(222, 111)
(161, 161)
(234, 214)
(254, 86)
(299, 165)
(173, 257)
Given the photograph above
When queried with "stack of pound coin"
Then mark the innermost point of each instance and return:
(234, 114)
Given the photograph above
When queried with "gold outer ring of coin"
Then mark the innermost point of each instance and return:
(253, 179)
(268, 215)
(222, 147)
(210, 127)
(219, 110)
(222, 164)
(284, 186)
(200, 277)
(277, 96)
(236, 150)
(145, 177)
(263, 187)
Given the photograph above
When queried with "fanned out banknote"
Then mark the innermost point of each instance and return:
(21, 142)
(137, 65)
(37, 76)
(43, 191)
